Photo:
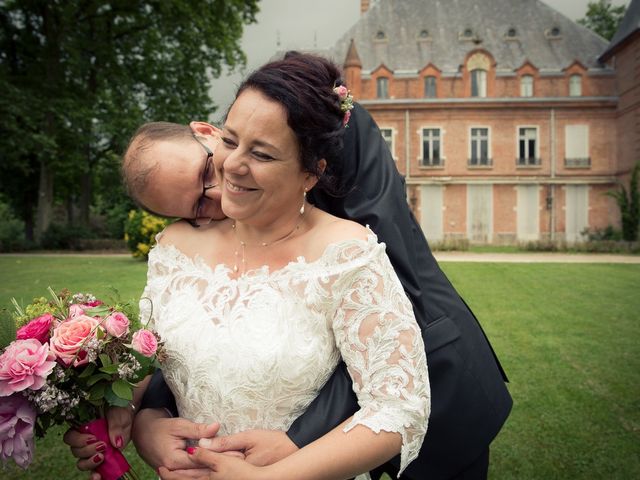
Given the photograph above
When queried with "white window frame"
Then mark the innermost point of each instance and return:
(518, 138)
(575, 85)
(382, 86)
(469, 148)
(392, 147)
(481, 81)
(421, 160)
(578, 159)
(526, 85)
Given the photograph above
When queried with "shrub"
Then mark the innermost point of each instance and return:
(629, 205)
(12, 235)
(141, 230)
(65, 237)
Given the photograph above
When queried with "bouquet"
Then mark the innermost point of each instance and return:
(73, 357)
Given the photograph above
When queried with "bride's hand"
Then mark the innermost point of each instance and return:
(260, 447)
(89, 451)
(221, 467)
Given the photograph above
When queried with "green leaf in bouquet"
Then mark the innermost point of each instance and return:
(100, 334)
(100, 310)
(105, 359)
(113, 399)
(97, 392)
(122, 389)
(110, 369)
(87, 371)
(96, 378)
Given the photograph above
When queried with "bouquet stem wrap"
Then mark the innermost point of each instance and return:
(115, 466)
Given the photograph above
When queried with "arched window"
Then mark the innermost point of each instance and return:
(478, 83)
(430, 87)
(575, 85)
(382, 89)
(424, 33)
(380, 35)
(526, 86)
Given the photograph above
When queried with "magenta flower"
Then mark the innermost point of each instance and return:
(17, 418)
(25, 364)
(38, 328)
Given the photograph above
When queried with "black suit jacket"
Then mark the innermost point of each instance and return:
(469, 400)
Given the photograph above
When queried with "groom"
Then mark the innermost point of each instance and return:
(470, 401)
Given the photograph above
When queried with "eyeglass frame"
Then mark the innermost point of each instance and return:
(208, 161)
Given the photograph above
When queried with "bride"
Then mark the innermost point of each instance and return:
(257, 310)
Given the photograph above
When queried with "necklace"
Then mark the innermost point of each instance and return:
(243, 244)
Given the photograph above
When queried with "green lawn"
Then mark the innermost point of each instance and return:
(567, 334)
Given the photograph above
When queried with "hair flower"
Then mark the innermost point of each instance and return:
(346, 102)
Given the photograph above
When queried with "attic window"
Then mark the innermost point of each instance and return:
(512, 32)
(555, 32)
(424, 33)
(468, 33)
(380, 35)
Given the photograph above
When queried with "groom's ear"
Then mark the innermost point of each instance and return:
(203, 128)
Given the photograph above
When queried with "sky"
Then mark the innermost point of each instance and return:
(304, 24)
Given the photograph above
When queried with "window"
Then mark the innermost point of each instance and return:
(468, 33)
(478, 83)
(380, 35)
(424, 34)
(575, 85)
(576, 146)
(512, 33)
(431, 147)
(383, 87)
(430, 87)
(526, 86)
(479, 147)
(387, 134)
(528, 146)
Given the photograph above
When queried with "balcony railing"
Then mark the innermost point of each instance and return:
(431, 162)
(480, 162)
(528, 162)
(577, 162)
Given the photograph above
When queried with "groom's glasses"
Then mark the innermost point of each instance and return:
(208, 181)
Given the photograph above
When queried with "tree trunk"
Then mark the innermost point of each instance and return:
(85, 197)
(45, 201)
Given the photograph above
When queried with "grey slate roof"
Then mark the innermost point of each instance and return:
(630, 23)
(402, 22)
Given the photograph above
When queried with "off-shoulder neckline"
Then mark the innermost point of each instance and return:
(264, 271)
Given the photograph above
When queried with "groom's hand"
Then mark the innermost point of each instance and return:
(260, 447)
(162, 440)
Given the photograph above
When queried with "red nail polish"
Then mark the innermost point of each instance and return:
(191, 450)
(119, 441)
(101, 448)
(96, 459)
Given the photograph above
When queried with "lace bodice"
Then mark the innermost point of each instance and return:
(253, 352)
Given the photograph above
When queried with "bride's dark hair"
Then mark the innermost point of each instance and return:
(303, 84)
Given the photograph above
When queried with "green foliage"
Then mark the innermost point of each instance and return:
(629, 205)
(65, 237)
(77, 77)
(11, 230)
(141, 230)
(603, 18)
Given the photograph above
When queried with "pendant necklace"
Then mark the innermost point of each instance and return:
(240, 253)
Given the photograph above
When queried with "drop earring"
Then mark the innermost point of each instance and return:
(304, 199)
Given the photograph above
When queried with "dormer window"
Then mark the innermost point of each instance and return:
(512, 33)
(468, 33)
(380, 35)
(555, 32)
(575, 85)
(424, 33)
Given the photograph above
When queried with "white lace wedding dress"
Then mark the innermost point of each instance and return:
(253, 352)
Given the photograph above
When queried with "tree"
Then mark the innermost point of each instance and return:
(629, 205)
(603, 18)
(77, 76)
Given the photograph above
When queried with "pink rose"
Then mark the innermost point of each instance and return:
(17, 418)
(95, 303)
(144, 342)
(347, 116)
(342, 92)
(117, 324)
(38, 328)
(25, 364)
(76, 310)
(70, 336)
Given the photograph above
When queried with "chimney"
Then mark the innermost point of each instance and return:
(353, 70)
(364, 6)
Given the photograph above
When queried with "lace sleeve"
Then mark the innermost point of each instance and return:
(381, 344)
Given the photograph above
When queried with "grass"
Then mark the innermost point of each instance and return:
(567, 334)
